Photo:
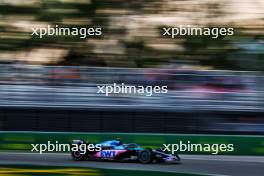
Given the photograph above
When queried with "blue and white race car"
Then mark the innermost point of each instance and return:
(115, 150)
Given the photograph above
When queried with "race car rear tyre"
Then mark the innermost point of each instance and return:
(78, 155)
(145, 156)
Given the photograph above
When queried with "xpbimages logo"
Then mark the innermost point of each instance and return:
(190, 30)
(131, 89)
(58, 147)
(193, 147)
(66, 31)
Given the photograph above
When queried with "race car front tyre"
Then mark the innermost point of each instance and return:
(177, 156)
(145, 156)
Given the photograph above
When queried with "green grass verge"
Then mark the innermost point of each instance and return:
(68, 171)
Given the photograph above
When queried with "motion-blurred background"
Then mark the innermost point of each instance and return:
(49, 84)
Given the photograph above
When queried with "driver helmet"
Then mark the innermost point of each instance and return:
(119, 141)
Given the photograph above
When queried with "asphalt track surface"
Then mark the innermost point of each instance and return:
(204, 164)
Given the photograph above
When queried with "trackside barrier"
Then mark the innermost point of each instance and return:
(243, 144)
